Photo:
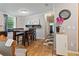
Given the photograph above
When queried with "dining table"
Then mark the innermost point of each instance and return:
(18, 32)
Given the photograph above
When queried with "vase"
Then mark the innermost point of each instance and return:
(58, 29)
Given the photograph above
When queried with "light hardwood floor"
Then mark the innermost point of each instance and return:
(36, 48)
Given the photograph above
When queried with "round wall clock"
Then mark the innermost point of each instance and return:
(65, 14)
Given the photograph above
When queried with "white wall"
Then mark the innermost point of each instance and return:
(20, 21)
(34, 19)
(2, 23)
(70, 25)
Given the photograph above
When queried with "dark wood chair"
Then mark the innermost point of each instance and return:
(30, 36)
(18, 38)
(18, 32)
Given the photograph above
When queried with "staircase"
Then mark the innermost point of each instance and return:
(49, 41)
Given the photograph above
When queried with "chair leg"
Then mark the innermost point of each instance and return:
(27, 39)
(17, 39)
(23, 40)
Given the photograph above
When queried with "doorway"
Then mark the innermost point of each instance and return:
(50, 31)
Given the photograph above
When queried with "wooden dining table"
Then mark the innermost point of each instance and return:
(20, 32)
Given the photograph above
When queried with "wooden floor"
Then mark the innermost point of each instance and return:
(36, 48)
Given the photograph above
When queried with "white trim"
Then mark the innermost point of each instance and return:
(40, 38)
(77, 27)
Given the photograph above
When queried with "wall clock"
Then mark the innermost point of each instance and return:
(65, 14)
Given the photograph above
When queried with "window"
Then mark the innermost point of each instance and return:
(11, 23)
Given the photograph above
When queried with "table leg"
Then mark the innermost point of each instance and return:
(14, 35)
(23, 40)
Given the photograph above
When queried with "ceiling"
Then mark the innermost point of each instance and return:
(32, 8)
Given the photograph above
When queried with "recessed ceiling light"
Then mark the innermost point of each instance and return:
(23, 11)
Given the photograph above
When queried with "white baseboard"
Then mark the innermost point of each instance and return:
(40, 38)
